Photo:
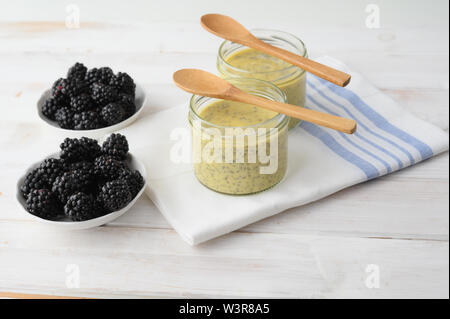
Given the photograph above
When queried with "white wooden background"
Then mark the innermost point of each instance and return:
(399, 223)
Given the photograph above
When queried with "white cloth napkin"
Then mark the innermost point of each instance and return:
(320, 162)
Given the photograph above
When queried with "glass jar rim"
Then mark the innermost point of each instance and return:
(281, 118)
(291, 67)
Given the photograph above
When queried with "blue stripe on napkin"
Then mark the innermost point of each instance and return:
(344, 136)
(369, 170)
(424, 150)
(365, 127)
(373, 165)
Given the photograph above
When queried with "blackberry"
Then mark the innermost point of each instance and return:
(85, 166)
(81, 103)
(77, 71)
(42, 203)
(92, 76)
(80, 206)
(87, 170)
(76, 150)
(51, 168)
(64, 118)
(103, 94)
(112, 113)
(53, 104)
(34, 180)
(134, 180)
(123, 83)
(108, 168)
(89, 120)
(91, 147)
(127, 103)
(69, 88)
(116, 145)
(101, 75)
(57, 87)
(75, 87)
(106, 73)
(72, 150)
(69, 183)
(115, 195)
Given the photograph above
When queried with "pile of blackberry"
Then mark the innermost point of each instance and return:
(90, 99)
(85, 182)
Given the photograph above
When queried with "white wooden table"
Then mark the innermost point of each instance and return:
(396, 227)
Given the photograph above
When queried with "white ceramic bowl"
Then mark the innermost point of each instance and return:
(68, 224)
(140, 100)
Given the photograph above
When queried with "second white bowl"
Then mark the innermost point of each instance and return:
(68, 224)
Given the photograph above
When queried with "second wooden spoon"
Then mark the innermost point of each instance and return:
(229, 29)
(207, 84)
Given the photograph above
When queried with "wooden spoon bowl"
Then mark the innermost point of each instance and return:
(207, 84)
(229, 29)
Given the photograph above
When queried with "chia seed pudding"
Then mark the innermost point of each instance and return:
(239, 148)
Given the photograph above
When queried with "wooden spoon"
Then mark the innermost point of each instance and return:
(207, 84)
(229, 29)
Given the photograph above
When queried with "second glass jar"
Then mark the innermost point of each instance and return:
(236, 60)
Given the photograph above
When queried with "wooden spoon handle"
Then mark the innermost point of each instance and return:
(334, 122)
(325, 72)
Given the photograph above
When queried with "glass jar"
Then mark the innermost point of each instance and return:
(236, 60)
(239, 159)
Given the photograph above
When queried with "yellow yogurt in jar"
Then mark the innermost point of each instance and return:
(235, 114)
(235, 60)
(245, 133)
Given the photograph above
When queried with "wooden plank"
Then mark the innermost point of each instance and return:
(328, 14)
(15, 295)
(395, 71)
(431, 105)
(130, 262)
